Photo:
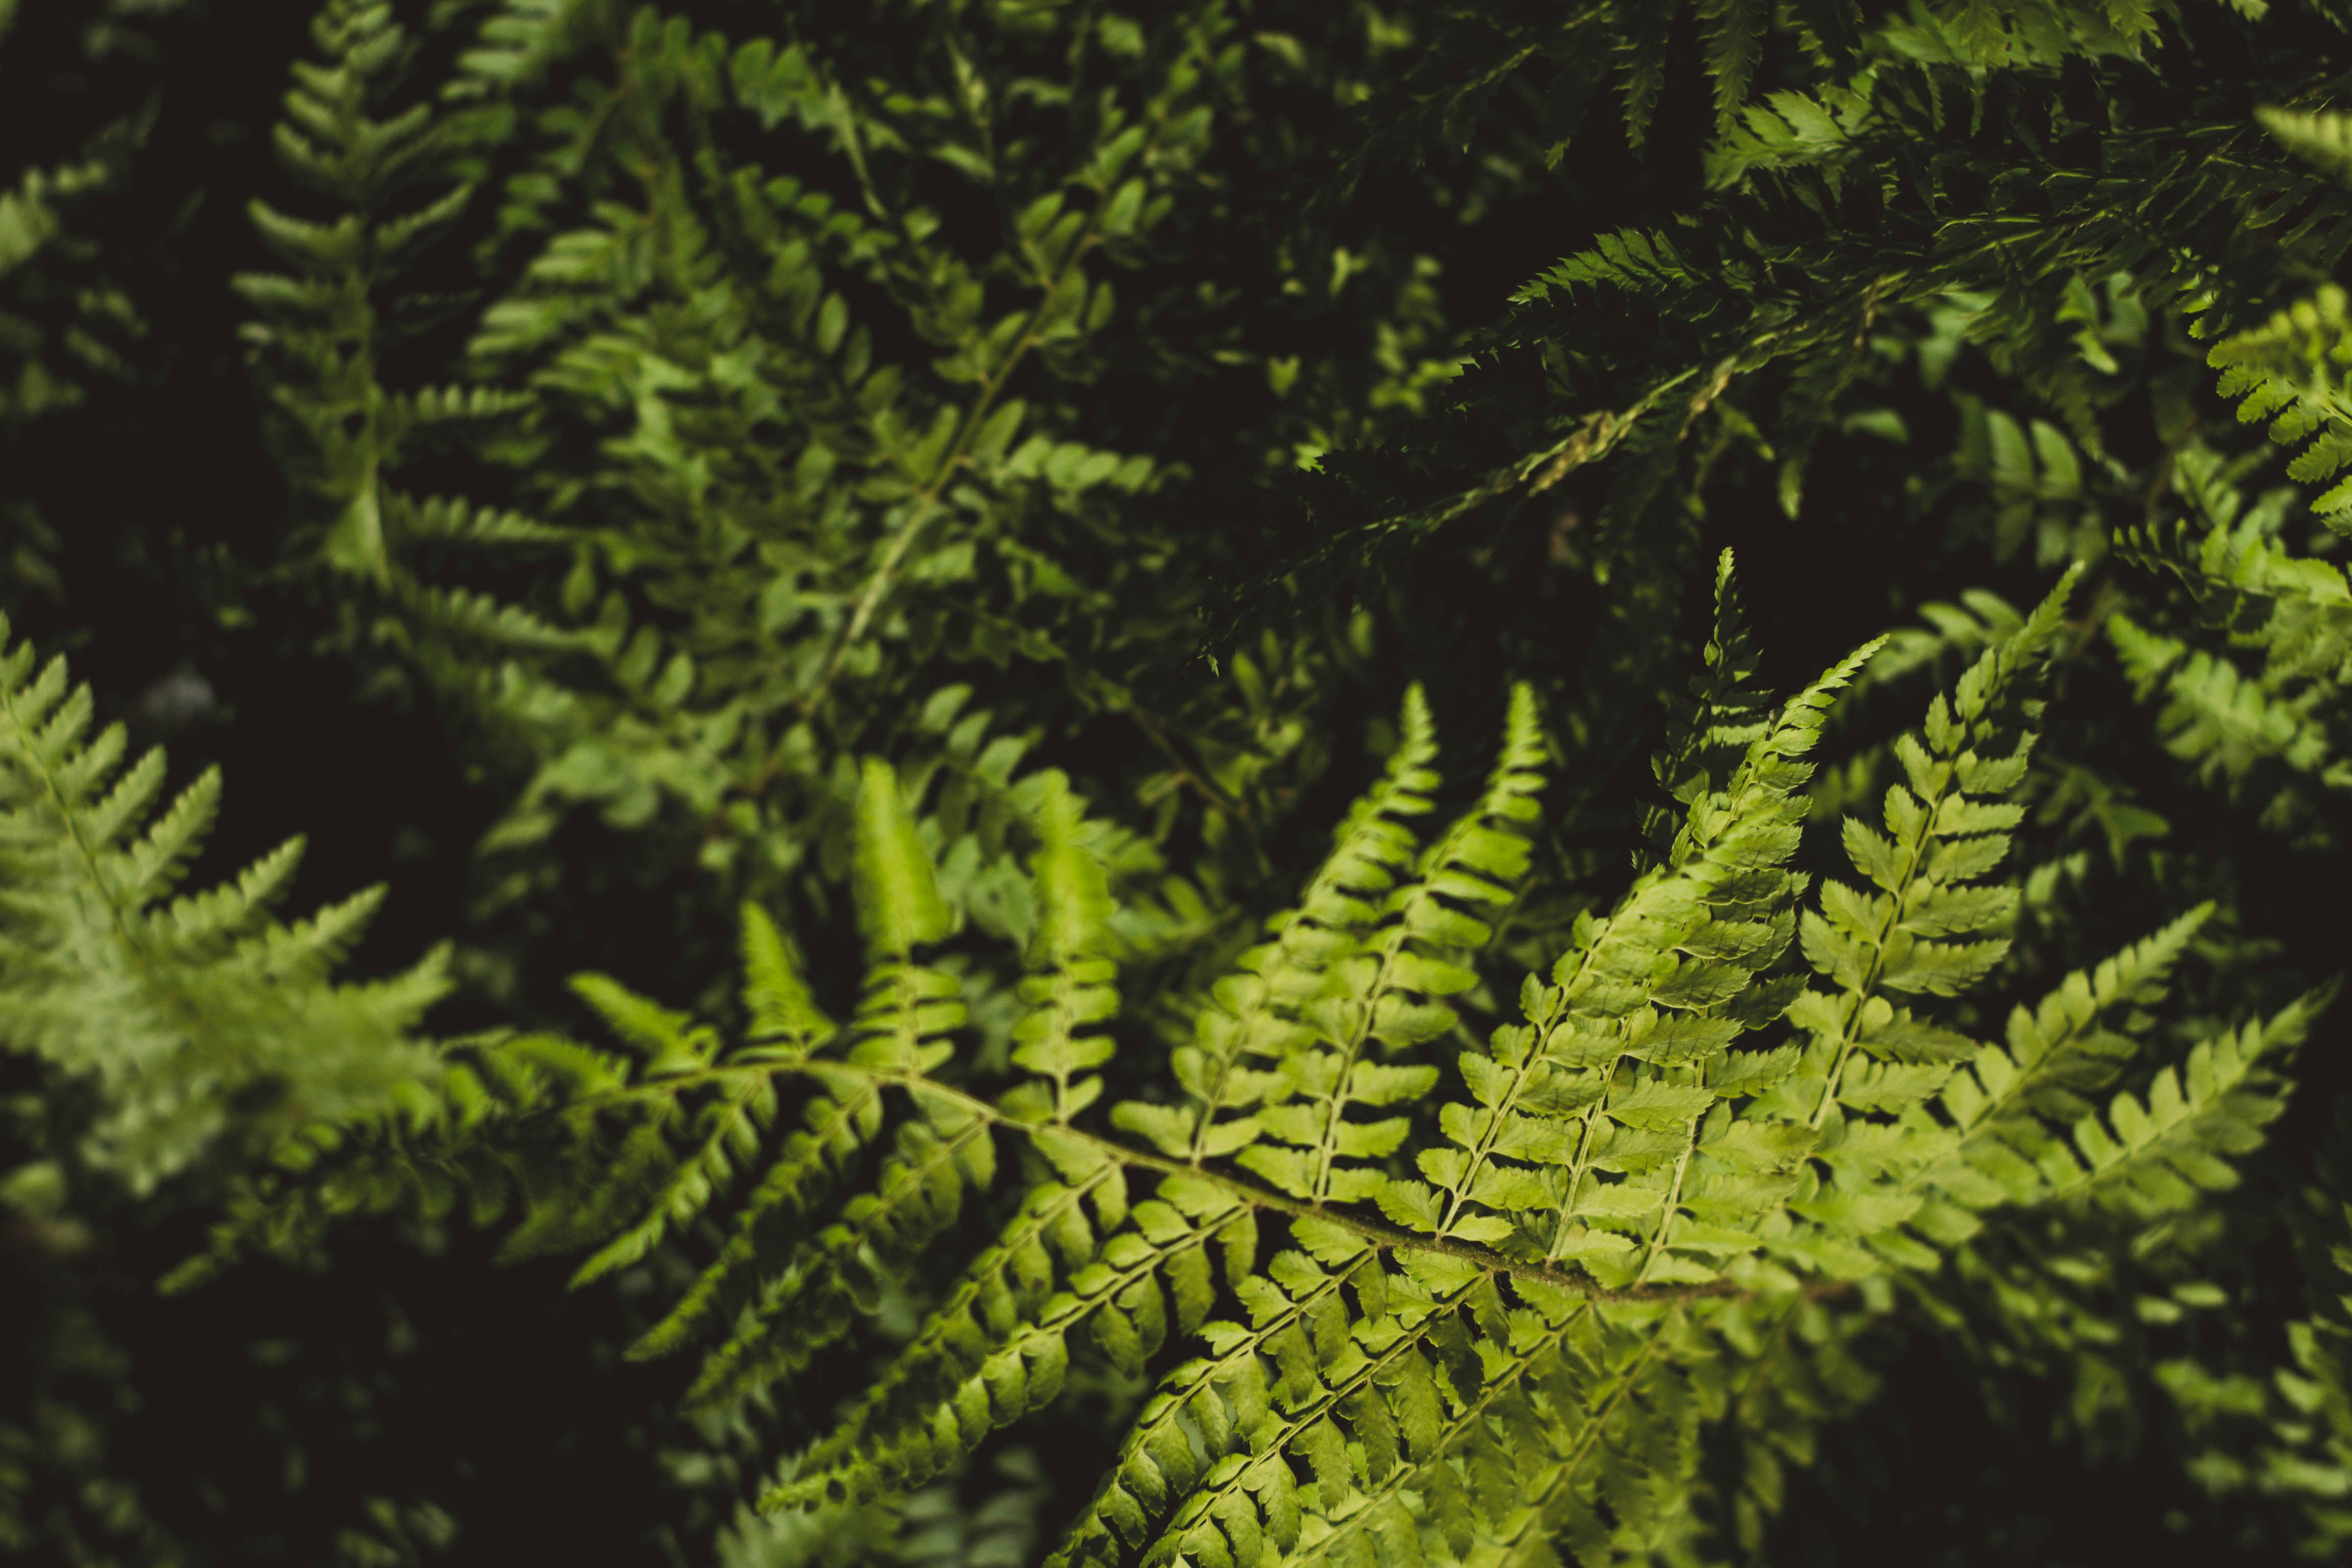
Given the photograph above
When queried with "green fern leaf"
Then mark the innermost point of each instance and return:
(899, 902)
(178, 1012)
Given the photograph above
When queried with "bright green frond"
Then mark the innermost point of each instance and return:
(899, 903)
(784, 1018)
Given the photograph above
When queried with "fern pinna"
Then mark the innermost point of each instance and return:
(1447, 1297)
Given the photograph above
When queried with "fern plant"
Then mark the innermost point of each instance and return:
(868, 549)
(1482, 1306)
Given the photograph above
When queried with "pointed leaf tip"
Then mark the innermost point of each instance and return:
(1073, 900)
(899, 903)
(774, 994)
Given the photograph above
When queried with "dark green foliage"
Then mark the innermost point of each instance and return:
(1124, 871)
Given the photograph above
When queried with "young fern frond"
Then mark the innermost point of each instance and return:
(1725, 716)
(898, 1028)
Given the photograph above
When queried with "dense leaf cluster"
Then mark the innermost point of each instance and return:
(901, 595)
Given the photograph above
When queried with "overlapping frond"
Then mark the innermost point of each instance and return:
(2291, 373)
(1453, 1213)
(2230, 723)
(1831, 214)
(1486, 1333)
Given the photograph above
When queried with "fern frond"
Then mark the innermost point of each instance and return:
(2293, 611)
(998, 1347)
(462, 523)
(1982, 619)
(1938, 839)
(1735, 41)
(522, 41)
(898, 1027)
(1070, 987)
(186, 1014)
(2007, 1102)
(834, 1126)
(1406, 1369)
(917, 1196)
(2291, 373)
(433, 1148)
(1642, 33)
(786, 1023)
(1609, 1074)
(2146, 1159)
(2323, 141)
(899, 903)
(1791, 130)
(1725, 716)
(323, 325)
(2221, 721)
(1388, 988)
(1831, 30)
(1254, 1012)
(2289, 1435)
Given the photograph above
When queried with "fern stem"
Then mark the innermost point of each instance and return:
(1495, 1382)
(1860, 996)
(927, 503)
(1380, 1235)
(1587, 1446)
(1372, 1231)
(1673, 1202)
